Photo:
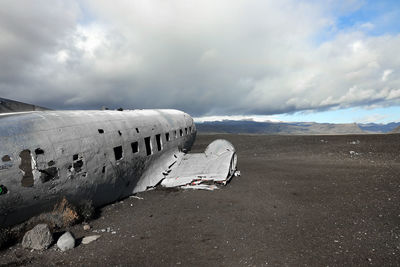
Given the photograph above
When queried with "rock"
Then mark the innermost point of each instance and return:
(66, 242)
(39, 238)
(86, 227)
(89, 239)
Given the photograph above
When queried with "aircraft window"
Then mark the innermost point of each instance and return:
(167, 136)
(26, 167)
(119, 132)
(101, 131)
(137, 130)
(176, 135)
(185, 131)
(103, 170)
(118, 152)
(39, 151)
(135, 147)
(180, 132)
(190, 129)
(158, 141)
(6, 158)
(147, 142)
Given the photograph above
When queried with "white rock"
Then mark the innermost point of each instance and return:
(86, 227)
(66, 242)
(39, 238)
(89, 239)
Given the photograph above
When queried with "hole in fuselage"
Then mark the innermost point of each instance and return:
(147, 142)
(118, 152)
(158, 141)
(39, 151)
(26, 167)
(135, 147)
(6, 158)
(48, 174)
(78, 165)
(3, 189)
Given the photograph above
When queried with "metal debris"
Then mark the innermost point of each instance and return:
(89, 239)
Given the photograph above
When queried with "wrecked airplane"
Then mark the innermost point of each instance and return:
(99, 156)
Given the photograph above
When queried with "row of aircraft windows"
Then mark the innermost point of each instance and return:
(101, 131)
(118, 150)
(118, 153)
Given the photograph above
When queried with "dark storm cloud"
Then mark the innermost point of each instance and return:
(204, 57)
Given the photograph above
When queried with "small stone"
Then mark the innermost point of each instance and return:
(86, 227)
(89, 239)
(39, 238)
(108, 229)
(66, 242)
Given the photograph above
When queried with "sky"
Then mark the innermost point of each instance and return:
(288, 60)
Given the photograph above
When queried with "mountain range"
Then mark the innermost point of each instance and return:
(299, 128)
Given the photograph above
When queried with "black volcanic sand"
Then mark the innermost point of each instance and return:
(301, 200)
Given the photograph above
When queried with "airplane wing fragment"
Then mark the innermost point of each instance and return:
(216, 165)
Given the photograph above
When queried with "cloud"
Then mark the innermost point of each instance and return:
(205, 57)
(386, 74)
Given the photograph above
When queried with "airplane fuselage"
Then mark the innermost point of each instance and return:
(97, 156)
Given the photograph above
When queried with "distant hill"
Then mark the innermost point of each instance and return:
(252, 127)
(378, 127)
(7, 105)
(395, 130)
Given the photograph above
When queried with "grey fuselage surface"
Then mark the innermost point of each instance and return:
(97, 156)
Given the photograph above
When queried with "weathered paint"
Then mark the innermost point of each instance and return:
(77, 154)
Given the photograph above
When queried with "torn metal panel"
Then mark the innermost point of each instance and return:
(217, 164)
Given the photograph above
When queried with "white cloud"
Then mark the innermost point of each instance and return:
(367, 26)
(386, 74)
(205, 57)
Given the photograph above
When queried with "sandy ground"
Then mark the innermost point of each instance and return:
(301, 200)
